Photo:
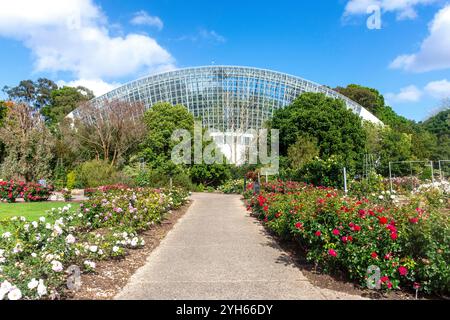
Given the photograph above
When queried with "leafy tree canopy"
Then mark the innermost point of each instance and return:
(36, 94)
(337, 129)
(63, 101)
(373, 101)
(161, 121)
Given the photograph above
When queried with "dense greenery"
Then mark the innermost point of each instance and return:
(428, 140)
(409, 243)
(63, 101)
(316, 125)
(439, 125)
(318, 137)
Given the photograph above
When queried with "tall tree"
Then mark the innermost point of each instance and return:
(63, 101)
(36, 94)
(28, 145)
(107, 132)
(373, 100)
(337, 129)
(439, 125)
(161, 121)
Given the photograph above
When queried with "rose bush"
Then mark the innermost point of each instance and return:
(35, 255)
(410, 244)
(33, 192)
(11, 190)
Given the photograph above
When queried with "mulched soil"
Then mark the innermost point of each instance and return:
(112, 275)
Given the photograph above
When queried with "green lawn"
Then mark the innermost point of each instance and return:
(31, 211)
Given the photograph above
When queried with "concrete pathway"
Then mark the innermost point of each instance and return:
(217, 251)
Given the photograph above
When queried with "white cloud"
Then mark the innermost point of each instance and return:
(406, 94)
(434, 53)
(205, 35)
(438, 89)
(405, 9)
(74, 36)
(98, 86)
(143, 18)
(211, 35)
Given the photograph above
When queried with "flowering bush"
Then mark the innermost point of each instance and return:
(409, 244)
(35, 255)
(11, 190)
(232, 186)
(33, 192)
(89, 192)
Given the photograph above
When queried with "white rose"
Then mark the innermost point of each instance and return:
(57, 266)
(70, 239)
(34, 224)
(90, 264)
(34, 255)
(42, 219)
(57, 230)
(15, 294)
(33, 284)
(115, 249)
(6, 235)
(41, 289)
(93, 248)
(6, 286)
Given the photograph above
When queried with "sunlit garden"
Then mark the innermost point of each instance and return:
(355, 196)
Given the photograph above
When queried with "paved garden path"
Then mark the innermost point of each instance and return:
(217, 251)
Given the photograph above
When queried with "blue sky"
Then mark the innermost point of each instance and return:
(103, 43)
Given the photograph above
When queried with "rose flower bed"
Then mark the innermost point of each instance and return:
(30, 192)
(409, 243)
(10, 190)
(34, 256)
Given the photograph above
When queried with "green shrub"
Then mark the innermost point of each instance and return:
(371, 184)
(158, 178)
(410, 244)
(232, 186)
(95, 173)
(71, 180)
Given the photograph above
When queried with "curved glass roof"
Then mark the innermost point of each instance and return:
(226, 98)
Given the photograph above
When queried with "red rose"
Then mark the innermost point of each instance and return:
(318, 233)
(414, 220)
(336, 232)
(384, 279)
(382, 220)
(266, 208)
(416, 285)
(374, 255)
(332, 253)
(299, 225)
(388, 256)
(403, 271)
(394, 236)
(356, 228)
